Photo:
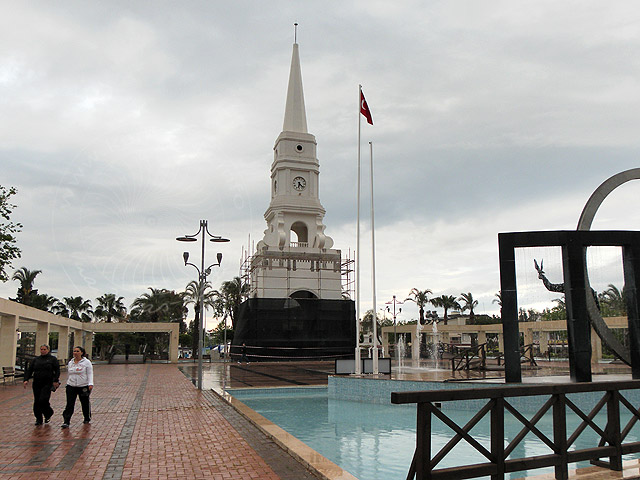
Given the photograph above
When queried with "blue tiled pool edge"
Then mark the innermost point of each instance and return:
(374, 390)
(378, 391)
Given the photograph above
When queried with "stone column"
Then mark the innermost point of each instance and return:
(501, 343)
(482, 337)
(8, 340)
(173, 345)
(87, 342)
(544, 343)
(528, 335)
(42, 335)
(63, 343)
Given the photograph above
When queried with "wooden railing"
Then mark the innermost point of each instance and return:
(465, 358)
(611, 441)
(526, 355)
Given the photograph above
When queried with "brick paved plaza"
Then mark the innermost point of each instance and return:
(149, 422)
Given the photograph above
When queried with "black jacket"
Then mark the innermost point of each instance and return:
(43, 369)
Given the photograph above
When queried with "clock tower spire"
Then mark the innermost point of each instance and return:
(295, 217)
(295, 177)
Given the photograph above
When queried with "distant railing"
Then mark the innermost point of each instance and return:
(465, 358)
(526, 355)
(611, 441)
(23, 360)
(298, 244)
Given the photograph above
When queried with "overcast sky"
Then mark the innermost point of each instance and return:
(125, 123)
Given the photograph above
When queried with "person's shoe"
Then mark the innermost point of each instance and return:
(65, 425)
(46, 419)
(38, 422)
(86, 422)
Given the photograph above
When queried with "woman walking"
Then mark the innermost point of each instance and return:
(45, 372)
(79, 384)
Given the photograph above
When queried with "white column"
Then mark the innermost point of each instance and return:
(8, 340)
(42, 335)
(173, 345)
(544, 343)
(87, 342)
(63, 343)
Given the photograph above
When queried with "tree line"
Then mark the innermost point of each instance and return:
(157, 305)
(611, 303)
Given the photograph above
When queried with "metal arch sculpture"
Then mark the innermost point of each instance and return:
(584, 223)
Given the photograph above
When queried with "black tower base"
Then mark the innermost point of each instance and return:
(294, 329)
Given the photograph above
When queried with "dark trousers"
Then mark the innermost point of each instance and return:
(82, 393)
(41, 396)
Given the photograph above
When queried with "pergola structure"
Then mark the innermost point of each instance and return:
(15, 318)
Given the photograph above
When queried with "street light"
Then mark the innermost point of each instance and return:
(394, 302)
(202, 278)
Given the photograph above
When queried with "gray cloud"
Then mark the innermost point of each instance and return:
(125, 123)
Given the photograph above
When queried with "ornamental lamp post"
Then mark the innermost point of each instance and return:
(203, 231)
(394, 302)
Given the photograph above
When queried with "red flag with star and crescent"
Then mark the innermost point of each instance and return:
(364, 109)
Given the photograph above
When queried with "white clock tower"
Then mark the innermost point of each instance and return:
(295, 258)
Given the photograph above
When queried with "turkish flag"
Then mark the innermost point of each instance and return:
(364, 109)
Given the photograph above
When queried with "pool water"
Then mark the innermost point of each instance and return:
(377, 441)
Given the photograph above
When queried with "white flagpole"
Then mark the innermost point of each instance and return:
(357, 352)
(373, 270)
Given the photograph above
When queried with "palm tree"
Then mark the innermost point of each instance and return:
(498, 299)
(161, 305)
(613, 300)
(110, 307)
(26, 277)
(192, 297)
(446, 302)
(44, 302)
(469, 304)
(75, 308)
(232, 294)
(421, 297)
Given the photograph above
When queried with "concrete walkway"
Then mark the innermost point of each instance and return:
(149, 422)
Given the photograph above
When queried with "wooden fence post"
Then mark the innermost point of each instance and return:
(497, 437)
(560, 435)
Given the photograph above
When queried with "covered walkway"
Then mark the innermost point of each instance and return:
(16, 318)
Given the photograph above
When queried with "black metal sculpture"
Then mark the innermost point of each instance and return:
(596, 321)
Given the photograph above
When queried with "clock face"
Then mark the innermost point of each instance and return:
(299, 183)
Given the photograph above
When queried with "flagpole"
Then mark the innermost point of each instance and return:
(358, 370)
(373, 269)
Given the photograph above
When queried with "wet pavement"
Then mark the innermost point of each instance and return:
(149, 422)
